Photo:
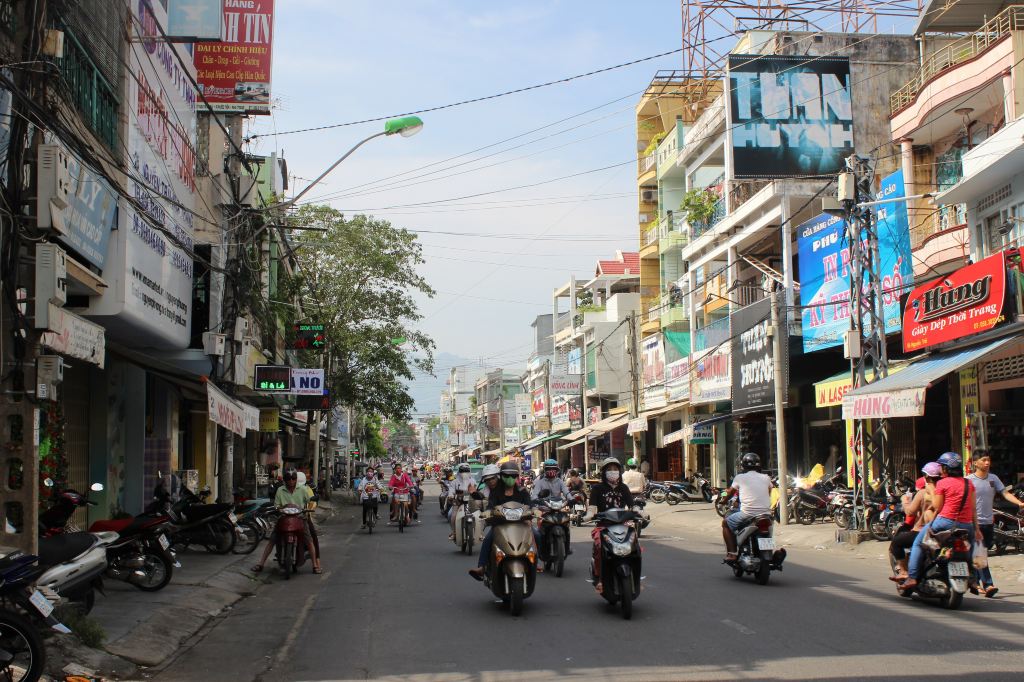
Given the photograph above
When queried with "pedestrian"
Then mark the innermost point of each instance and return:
(986, 486)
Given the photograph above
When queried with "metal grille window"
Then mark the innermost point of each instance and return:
(1005, 369)
(1004, 227)
(7, 23)
(91, 93)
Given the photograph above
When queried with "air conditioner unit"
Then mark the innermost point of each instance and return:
(53, 182)
(49, 369)
(649, 195)
(241, 328)
(51, 282)
(213, 343)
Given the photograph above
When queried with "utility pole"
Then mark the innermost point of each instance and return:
(868, 357)
(634, 381)
(501, 415)
(779, 338)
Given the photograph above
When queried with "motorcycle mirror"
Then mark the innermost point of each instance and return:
(48, 482)
(96, 487)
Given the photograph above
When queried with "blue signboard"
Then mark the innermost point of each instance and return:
(825, 268)
(91, 213)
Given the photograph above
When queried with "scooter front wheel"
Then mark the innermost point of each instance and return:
(515, 597)
(288, 560)
(625, 596)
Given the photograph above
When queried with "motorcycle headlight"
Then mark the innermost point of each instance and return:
(622, 548)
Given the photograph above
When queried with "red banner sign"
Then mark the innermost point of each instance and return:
(966, 302)
(235, 72)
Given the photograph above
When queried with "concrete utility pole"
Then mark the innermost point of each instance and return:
(779, 338)
(634, 381)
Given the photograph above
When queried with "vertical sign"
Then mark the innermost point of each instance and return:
(234, 72)
(753, 366)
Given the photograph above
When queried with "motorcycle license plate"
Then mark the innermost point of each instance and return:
(765, 543)
(958, 569)
(164, 542)
(579, 508)
(42, 604)
(234, 519)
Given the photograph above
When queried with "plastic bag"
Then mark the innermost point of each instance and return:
(980, 555)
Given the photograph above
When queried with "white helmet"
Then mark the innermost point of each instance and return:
(301, 480)
(490, 470)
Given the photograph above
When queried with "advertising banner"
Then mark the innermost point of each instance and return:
(75, 337)
(307, 382)
(575, 413)
(560, 411)
(677, 380)
(270, 420)
(524, 408)
(540, 402)
(234, 72)
(149, 266)
(673, 437)
(969, 301)
(593, 415)
(195, 20)
(91, 213)
(224, 411)
(753, 366)
(789, 116)
(574, 361)
(824, 255)
(638, 425)
(512, 436)
(652, 356)
(907, 402)
(565, 383)
(711, 374)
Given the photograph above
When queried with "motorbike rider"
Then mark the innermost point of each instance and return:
(462, 485)
(755, 491)
(917, 508)
(577, 485)
(954, 506)
(399, 483)
(556, 487)
(634, 480)
(368, 498)
(292, 494)
(610, 493)
(505, 490)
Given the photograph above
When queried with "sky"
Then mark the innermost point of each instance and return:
(337, 62)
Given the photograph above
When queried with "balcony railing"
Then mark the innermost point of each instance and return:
(92, 95)
(648, 162)
(711, 335)
(946, 218)
(699, 227)
(651, 233)
(991, 32)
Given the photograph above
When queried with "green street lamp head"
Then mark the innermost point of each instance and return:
(407, 126)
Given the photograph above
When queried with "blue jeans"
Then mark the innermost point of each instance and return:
(917, 552)
(738, 520)
(983, 576)
(488, 543)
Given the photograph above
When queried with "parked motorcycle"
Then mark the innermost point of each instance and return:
(511, 571)
(656, 492)
(554, 532)
(620, 558)
(947, 568)
(756, 552)
(1007, 531)
(696, 489)
(643, 520)
(25, 612)
(212, 526)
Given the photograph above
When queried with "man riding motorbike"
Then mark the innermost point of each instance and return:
(610, 493)
(507, 490)
(292, 495)
(461, 486)
(556, 488)
(755, 491)
(369, 493)
(633, 479)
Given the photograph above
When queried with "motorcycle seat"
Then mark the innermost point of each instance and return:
(60, 548)
(114, 525)
(944, 536)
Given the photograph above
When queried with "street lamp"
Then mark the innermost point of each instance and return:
(406, 126)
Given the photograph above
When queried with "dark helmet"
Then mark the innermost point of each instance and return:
(750, 462)
(510, 469)
(290, 474)
(464, 468)
(951, 461)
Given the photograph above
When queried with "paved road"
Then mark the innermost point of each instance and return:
(401, 606)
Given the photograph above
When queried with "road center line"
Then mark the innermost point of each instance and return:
(743, 629)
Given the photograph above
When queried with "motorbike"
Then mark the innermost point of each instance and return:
(25, 612)
(291, 545)
(656, 492)
(756, 552)
(643, 520)
(1007, 531)
(579, 510)
(252, 525)
(212, 526)
(371, 518)
(511, 571)
(443, 500)
(696, 489)
(466, 523)
(726, 504)
(947, 568)
(620, 558)
(404, 513)
(554, 532)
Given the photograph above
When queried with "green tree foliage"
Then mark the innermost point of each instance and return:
(359, 279)
(374, 442)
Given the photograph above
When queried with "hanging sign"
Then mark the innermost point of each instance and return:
(224, 411)
(565, 384)
(969, 301)
(307, 382)
(753, 365)
(673, 437)
(74, 336)
(593, 415)
(308, 337)
(638, 425)
(270, 420)
(511, 436)
(272, 378)
(540, 402)
(908, 402)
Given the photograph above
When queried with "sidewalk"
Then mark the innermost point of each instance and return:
(821, 537)
(147, 628)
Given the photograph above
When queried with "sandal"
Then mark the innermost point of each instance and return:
(991, 591)
(899, 578)
(731, 557)
(257, 568)
(318, 570)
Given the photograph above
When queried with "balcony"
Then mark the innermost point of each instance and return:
(91, 94)
(711, 335)
(647, 163)
(672, 233)
(668, 150)
(674, 312)
(954, 54)
(699, 227)
(939, 242)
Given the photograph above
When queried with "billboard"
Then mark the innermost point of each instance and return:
(710, 376)
(234, 72)
(789, 116)
(753, 365)
(565, 383)
(824, 255)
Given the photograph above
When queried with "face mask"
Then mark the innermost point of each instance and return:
(509, 481)
(612, 476)
(551, 473)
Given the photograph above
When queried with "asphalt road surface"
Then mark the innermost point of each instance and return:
(400, 606)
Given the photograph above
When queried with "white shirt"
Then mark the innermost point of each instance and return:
(363, 495)
(755, 491)
(634, 480)
(460, 484)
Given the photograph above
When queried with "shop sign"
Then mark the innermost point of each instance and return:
(252, 416)
(194, 20)
(562, 383)
(789, 116)
(272, 378)
(224, 411)
(711, 376)
(575, 412)
(574, 361)
(524, 409)
(677, 380)
(652, 355)
(75, 337)
(511, 436)
(148, 264)
(542, 424)
(460, 422)
(637, 425)
(307, 382)
(540, 402)
(970, 405)
(321, 402)
(753, 365)
(654, 397)
(91, 212)
(593, 415)
(699, 434)
(234, 72)
(969, 301)
(673, 437)
(270, 420)
(308, 336)
(559, 411)
(830, 393)
(908, 402)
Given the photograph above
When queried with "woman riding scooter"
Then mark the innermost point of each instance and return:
(610, 493)
(507, 490)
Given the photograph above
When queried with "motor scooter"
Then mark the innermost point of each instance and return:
(28, 610)
(511, 571)
(947, 568)
(467, 523)
(291, 543)
(554, 532)
(620, 558)
(756, 552)
(695, 489)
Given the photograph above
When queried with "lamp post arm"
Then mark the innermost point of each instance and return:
(327, 172)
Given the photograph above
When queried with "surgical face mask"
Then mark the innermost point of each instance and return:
(612, 475)
(509, 480)
(551, 473)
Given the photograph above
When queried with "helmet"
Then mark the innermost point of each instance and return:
(550, 464)
(463, 468)
(750, 462)
(951, 461)
(631, 462)
(490, 471)
(510, 469)
(932, 469)
(607, 462)
(291, 474)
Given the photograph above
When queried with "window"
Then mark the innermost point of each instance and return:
(1004, 227)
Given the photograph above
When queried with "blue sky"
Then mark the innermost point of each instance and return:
(345, 61)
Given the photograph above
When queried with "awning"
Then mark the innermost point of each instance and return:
(829, 392)
(713, 419)
(578, 433)
(609, 424)
(540, 440)
(491, 453)
(902, 394)
(959, 16)
(572, 444)
(662, 410)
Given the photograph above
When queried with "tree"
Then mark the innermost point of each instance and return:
(358, 278)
